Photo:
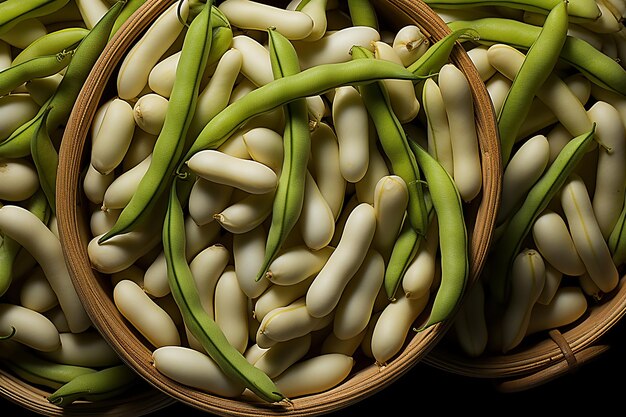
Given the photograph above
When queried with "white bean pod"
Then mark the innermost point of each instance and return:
(231, 309)
(314, 375)
(355, 307)
(247, 213)
(376, 170)
(554, 278)
(144, 55)
(296, 264)
(279, 357)
(567, 306)
(206, 199)
(316, 10)
(247, 175)
(332, 344)
(401, 93)
(215, 96)
(391, 198)
(286, 323)
(586, 234)
(255, 64)
(393, 325)
(527, 280)
(145, 315)
(459, 105)
(31, 328)
(350, 119)
(498, 87)
(235, 146)
(527, 164)
(265, 146)
(195, 369)
(120, 252)
(95, 184)
(410, 44)
(327, 287)
(437, 125)
(162, 75)
(419, 276)
(248, 256)
(206, 268)
(18, 179)
(122, 189)
(36, 293)
(101, 221)
(316, 221)
(140, 147)
(610, 182)
(31, 233)
(324, 166)
(247, 14)
(480, 59)
(149, 112)
(16, 109)
(279, 296)
(113, 137)
(553, 240)
(92, 11)
(87, 348)
(334, 46)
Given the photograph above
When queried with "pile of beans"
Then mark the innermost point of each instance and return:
(265, 194)
(47, 49)
(557, 81)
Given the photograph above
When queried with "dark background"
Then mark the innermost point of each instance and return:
(596, 386)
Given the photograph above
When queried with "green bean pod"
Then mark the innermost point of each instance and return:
(582, 10)
(362, 13)
(453, 241)
(539, 63)
(37, 67)
(40, 371)
(289, 196)
(170, 143)
(95, 386)
(395, 145)
(537, 199)
(309, 82)
(53, 43)
(61, 103)
(403, 251)
(197, 320)
(594, 64)
(438, 54)
(46, 159)
(14, 11)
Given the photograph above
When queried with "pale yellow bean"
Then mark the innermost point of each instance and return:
(332, 344)
(18, 179)
(36, 293)
(314, 375)
(391, 198)
(32, 328)
(324, 166)
(162, 75)
(247, 213)
(316, 221)
(296, 264)
(377, 168)
(122, 189)
(498, 87)
(265, 146)
(231, 309)
(113, 137)
(279, 296)
(195, 369)
(551, 286)
(327, 287)
(149, 112)
(279, 357)
(248, 257)
(437, 125)
(92, 11)
(145, 315)
(206, 199)
(87, 348)
(140, 147)
(16, 109)
(410, 43)
(419, 276)
(255, 64)
(24, 33)
(567, 306)
(207, 267)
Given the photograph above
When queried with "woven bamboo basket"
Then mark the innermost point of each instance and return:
(543, 357)
(366, 379)
(33, 398)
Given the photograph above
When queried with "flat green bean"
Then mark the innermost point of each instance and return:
(362, 13)
(37, 67)
(46, 159)
(95, 386)
(289, 196)
(14, 11)
(598, 67)
(199, 323)
(537, 199)
(453, 241)
(438, 53)
(61, 103)
(52, 43)
(539, 63)
(171, 141)
(581, 10)
(40, 371)
(395, 145)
